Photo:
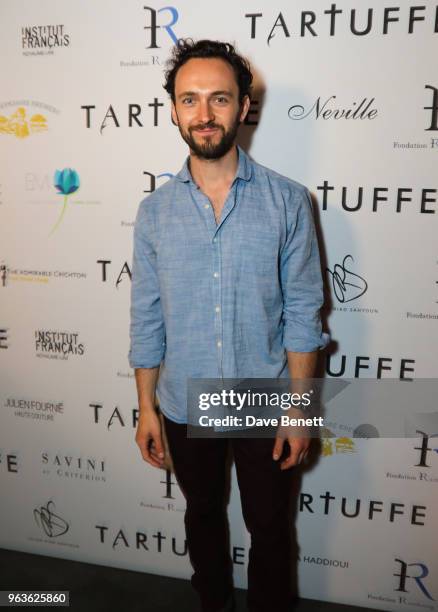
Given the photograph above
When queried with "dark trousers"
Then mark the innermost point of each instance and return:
(200, 469)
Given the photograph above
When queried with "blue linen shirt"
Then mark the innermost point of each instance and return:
(226, 299)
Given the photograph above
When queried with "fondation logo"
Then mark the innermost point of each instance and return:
(413, 578)
(156, 20)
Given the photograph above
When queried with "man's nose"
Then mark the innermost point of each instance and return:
(206, 113)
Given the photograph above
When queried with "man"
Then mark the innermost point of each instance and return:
(226, 283)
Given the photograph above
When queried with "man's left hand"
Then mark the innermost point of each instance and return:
(299, 444)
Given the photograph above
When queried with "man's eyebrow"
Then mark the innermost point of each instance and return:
(222, 92)
(187, 93)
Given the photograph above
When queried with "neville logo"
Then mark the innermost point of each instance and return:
(433, 108)
(153, 24)
(347, 285)
(403, 577)
(425, 448)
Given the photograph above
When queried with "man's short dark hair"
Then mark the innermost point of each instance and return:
(187, 48)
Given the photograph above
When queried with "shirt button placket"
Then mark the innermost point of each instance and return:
(217, 299)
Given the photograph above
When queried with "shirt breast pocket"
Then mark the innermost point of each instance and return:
(259, 251)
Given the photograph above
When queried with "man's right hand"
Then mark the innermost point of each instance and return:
(148, 438)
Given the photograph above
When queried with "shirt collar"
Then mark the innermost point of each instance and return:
(244, 168)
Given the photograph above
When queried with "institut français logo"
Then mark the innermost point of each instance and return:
(44, 39)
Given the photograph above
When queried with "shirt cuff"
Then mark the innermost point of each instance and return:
(306, 345)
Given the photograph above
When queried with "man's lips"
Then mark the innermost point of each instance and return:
(206, 130)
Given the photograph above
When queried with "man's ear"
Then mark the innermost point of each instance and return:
(244, 106)
(173, 113)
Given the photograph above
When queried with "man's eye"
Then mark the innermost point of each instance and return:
(222, 99)
(187, 100)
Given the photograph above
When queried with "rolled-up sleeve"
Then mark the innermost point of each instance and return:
(147, 330)
(301, 279)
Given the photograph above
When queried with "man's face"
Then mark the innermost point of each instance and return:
(207, 109)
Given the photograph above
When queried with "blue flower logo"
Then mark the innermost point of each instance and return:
(66, 182)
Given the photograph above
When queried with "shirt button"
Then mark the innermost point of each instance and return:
(214, 240)
(219, 343)
(217, 309)
(206, 205)
(216, 274)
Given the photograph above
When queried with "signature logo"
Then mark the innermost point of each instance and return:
(52, 524)
(347, 285)
(20, 126)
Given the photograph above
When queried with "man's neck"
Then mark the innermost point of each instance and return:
(213, 174)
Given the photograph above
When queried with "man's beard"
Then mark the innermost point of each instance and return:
(208, 149)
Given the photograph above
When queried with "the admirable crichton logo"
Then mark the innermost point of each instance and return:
(10, 274)
(44, 39)
(60, 345)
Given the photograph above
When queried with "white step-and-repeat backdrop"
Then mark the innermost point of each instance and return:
(346, 102)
